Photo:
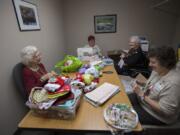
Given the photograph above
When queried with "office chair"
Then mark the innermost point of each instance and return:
(18, 79)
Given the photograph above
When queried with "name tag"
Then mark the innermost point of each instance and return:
(158, 86)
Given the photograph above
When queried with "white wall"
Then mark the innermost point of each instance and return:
(50, 42)
(67, 29)
(134, 17)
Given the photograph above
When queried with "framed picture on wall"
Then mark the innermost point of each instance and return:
(27, 15)
(105, 23)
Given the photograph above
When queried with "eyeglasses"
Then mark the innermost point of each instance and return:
(37, 55)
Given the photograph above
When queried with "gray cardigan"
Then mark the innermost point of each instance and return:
(166, 91)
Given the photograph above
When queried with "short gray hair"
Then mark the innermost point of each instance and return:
(27, 54)
(136, 39)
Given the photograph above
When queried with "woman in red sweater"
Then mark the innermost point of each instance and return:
(34, 72)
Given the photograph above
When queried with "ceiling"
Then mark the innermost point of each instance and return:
(168, 6)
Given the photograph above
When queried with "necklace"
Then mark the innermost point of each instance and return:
(34, 69)
(38, 71)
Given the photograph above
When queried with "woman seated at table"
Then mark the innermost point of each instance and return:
(34, 72)
(158, 101)
(92, 44)
(133, 59)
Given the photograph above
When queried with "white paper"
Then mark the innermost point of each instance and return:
(121, 63)
(96, 62)
(84, 53)
(102, 93)
(126, 51)
(127, 86)
(145, 47)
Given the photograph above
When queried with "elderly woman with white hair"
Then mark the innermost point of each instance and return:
(133, 59)
(34, 72)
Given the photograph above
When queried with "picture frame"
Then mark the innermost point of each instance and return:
(27, 16)
(105, 23)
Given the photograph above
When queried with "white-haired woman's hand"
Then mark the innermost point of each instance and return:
(46, 77)
(53, 73)
(122, 55)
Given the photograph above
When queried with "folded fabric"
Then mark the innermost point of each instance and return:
(38, 95)
(52, 87)
(63, 99)
(42, 105)
(38, 98)
(70, 103)
(65, 88)
(50, 96)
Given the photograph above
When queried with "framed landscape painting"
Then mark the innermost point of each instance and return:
(27, 15)
(105, 23)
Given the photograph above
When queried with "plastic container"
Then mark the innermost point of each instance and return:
(61, 111)
(58, 112)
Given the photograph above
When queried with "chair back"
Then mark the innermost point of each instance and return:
(18, 79)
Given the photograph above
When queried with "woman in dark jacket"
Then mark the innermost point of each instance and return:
(133, 59)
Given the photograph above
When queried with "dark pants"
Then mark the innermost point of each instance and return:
(125, 70)
(144, 117)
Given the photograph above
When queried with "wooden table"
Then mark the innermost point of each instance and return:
(88, 118)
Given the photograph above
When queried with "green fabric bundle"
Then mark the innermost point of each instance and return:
(69, 64)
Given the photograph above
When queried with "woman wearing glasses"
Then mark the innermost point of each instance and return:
(157, 101)
(34, 72)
